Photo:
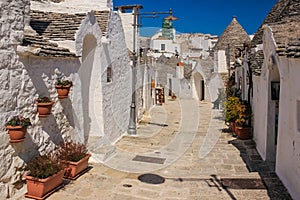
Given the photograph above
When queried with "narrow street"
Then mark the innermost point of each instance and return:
(194, 155)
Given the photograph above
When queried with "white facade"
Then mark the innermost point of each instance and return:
(163, 46)
(284, 154)
(220, 63)
(196, 45)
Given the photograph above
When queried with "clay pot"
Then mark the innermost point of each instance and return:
(233, 127)
(44, 109)
(243, 133)
(42, 188)
(74, 169)
(16, 133)
(63, 91)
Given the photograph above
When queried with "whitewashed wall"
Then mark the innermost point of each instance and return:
(127, 21)
(117, 94)
(220, 62)
(288, 146)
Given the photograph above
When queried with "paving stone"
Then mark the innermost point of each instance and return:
(186, 177)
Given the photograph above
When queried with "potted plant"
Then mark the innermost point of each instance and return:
(75, 156)
(173, 96)
(231, 113)
(242, 120)
(17, 127)
(44, 106)
(63, 88)
(45, 176)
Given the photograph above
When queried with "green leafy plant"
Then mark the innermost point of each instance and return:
(243, 114)
(43, 99)
(231, 112)
(71, 151)
(44, 166)
(63, 82)
(18, 120)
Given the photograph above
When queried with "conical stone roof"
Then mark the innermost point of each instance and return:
(271, 17)
(234, 36)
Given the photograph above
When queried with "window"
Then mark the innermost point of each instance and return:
(163, 47)
(108, 74)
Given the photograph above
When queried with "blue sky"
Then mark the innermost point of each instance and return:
(209, 16)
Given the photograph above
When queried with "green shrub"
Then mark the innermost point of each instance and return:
(231, 109)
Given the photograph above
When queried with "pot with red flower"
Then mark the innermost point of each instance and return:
(17, 128)
(44, 106)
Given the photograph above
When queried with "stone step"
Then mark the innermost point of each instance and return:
(100, 148)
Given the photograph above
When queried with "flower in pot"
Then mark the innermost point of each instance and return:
(63, 88)
(242, 120)
(17, 127)
(45, 176)
(75, 156)
(44, 106)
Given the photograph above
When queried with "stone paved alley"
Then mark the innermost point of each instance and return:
(208, 163)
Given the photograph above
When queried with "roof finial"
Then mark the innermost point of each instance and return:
(233, 17)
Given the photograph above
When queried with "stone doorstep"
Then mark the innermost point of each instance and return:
(101, 154)
(100, 149)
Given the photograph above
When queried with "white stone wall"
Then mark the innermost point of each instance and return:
(24, 77)
(288, 148)
(117, 94)
(127, 21)
(170, 46)
(287, 151)
(105, 105)
(220, 62)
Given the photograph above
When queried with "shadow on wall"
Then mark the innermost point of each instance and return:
(50, 126)
(26, 154)
(68, 110)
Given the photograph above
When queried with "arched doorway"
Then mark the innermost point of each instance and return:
(199, 86)
(272, 114)
(90, 74)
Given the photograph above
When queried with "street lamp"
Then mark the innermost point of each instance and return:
(132, 121)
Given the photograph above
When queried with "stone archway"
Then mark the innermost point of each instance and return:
(199, 86)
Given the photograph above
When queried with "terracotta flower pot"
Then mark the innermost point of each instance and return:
(16, 133)
(44, 109)
(63, 91)
(243, 133)
(233, 127)
(42, 188)
(74, 169)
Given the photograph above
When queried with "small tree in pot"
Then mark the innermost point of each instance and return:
(242, 120)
